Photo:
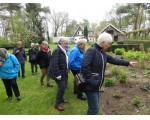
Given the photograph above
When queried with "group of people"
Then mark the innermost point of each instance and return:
(91, 63)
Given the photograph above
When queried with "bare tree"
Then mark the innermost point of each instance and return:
(58, 21)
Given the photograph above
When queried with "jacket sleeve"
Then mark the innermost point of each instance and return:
(117, 61)
(15, 63)
(87, 63)
(25, 55)
(54, 63)
(14, 51)
(38, 57)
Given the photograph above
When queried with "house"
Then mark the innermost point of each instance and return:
(80, 33)
(117, 34)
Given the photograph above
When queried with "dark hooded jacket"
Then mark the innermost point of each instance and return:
(94, 64)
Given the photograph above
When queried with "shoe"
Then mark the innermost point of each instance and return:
(60, 108)
(81, 97)
(32, 73)
(23, 77)
(19, 98)
(65, 101)
(49, 85)
(9, 98)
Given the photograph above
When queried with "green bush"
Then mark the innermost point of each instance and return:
(119, 51)
(126, 47)
(5, 43)
(119, 74)
(122, 77)
(109, 82)
(117, 95)
(137, 102)
(135, 41)
(115, 71)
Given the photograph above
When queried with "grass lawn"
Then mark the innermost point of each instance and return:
(40, 100)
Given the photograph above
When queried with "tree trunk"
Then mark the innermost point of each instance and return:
(11, 19)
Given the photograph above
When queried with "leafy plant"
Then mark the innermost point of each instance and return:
(122, 77)
(137, 102)
(115, 71)
(117, 95)
(119, 51)
(109, 82)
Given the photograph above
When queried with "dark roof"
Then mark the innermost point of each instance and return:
(112, 27)
(78, 29)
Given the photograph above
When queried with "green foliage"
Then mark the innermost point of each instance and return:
(114, 43)
(119, 51)
(85, 31)
(122, 77)
(146, 43)
(26, 36)
(115, 71)
(119, 74)
(117, 95)
(137, 101)
(109, 82)
(136, 55)
(125, 46)
(5, 43)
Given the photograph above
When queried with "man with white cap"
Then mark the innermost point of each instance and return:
(75, 60)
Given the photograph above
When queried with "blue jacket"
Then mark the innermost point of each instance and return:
(75, 58)
(94, 64)
(10, 67)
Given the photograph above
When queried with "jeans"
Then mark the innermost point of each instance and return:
(22, 70)
(60, 92)
(9, 85)
(93, 103)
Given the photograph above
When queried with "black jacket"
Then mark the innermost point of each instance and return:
(58, 64)
(43, 58)
(93, 66)
(32, 54)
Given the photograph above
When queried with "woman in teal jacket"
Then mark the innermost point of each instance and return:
(9, 68)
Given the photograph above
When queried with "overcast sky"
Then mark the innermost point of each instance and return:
(93, 10)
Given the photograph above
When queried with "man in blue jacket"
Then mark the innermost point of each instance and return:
(9, 68)
(75, 60)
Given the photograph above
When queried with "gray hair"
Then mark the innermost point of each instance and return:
(36, 44)
(63, 39)
(3, 52)
(81, 41)
(45, 43)
(104, 37)
(32, 44)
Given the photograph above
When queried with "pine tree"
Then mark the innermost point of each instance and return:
(86, 32)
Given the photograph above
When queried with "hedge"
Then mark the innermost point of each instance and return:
(146, 43)
(126, 47)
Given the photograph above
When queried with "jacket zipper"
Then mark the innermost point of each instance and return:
(102, 69)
